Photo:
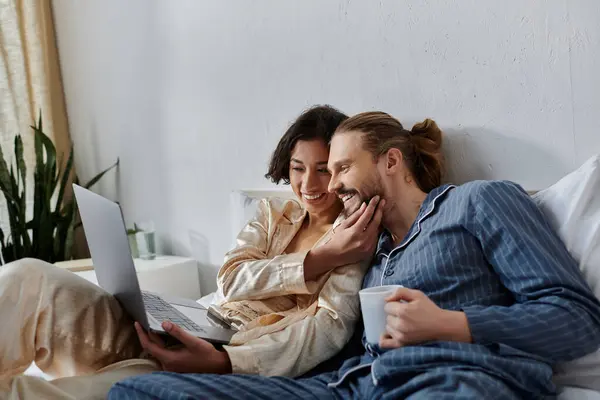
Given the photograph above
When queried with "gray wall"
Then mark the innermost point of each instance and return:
(193, 95)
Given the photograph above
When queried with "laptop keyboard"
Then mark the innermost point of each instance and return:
(163, 311)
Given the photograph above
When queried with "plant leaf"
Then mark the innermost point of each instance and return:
(39, 154)
(45, 181)
(38, 203)
(70, 236)
(50, 162)
(21, 167)
(64, 180)
(8, 253)
(100, 175)
(7, 193)
(22, 172)
(4, 177)
(15, 231)
(10, 194)
(21, 238)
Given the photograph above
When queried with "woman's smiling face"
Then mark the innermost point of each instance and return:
(309, 177)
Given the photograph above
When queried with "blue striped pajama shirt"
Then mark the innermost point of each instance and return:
(483, 248)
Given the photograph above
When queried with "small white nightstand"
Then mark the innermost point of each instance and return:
(168, 275)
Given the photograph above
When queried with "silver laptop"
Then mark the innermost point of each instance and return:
(107, 239)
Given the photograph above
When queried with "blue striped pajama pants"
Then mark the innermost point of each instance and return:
(439, 383)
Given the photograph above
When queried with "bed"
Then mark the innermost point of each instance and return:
(575, 393)
(576, 216)
(572, 209)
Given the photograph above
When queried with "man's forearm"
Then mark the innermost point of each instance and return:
(559, 332)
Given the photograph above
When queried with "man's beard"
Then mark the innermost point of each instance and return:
(369, 189)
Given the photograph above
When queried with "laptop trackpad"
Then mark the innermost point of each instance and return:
(195, 314)
(200, 316)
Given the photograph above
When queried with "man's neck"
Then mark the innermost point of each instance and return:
(405, 206)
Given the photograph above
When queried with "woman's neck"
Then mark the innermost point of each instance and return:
(323, 219)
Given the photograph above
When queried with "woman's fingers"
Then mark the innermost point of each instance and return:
(367, 215)
(373, 227)
(351, 220)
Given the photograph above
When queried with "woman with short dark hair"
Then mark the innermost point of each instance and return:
(282, 283)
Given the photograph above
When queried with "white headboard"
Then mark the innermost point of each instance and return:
(243, 205)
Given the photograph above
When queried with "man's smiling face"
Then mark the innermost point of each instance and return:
(354, 175)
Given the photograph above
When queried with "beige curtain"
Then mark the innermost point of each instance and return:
(29, 80)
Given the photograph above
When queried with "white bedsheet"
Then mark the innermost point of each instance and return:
(573, 393)
(206, 300)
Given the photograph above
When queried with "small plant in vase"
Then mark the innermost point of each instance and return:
(131, 236)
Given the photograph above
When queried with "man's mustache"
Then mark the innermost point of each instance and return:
(344, 191)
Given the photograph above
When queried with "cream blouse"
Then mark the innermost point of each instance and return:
(289, 325)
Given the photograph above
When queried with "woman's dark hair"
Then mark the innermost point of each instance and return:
(316, 123)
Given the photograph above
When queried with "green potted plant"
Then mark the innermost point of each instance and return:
(49, 234)
(131, 236)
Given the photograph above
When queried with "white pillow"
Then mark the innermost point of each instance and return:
(243, 208)
(572, 206)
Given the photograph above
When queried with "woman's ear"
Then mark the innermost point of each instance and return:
(393, 161)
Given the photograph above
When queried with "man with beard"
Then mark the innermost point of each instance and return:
(492, 298)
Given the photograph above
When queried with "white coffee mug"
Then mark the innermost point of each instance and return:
(372, 304)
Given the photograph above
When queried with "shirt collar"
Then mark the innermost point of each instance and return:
(433, 199)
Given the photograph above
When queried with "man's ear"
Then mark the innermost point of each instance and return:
(393, 161)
